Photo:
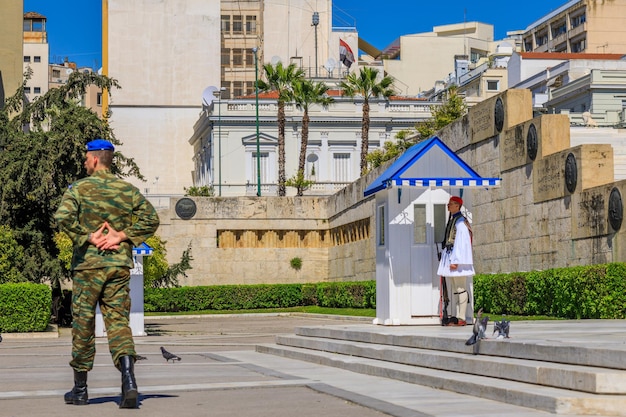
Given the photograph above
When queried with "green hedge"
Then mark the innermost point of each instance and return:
(244, 297)
(24, 307)
(582, 292)
(585, 292)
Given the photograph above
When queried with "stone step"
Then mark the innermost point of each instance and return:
(574, 377)
(606, 355)
(553, 400)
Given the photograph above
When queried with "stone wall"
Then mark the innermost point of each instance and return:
(552, 209)
(558, 206)
(252, 240)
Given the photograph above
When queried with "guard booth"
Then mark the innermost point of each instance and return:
(411, 216)
(136, 295)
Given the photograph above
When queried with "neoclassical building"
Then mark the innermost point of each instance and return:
(224, 141)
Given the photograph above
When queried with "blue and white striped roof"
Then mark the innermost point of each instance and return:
(430, 164)
(143, 249)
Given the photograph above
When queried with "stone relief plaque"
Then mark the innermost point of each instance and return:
(185, 208)
(616, 209)
(531, 142)
(499, 115)
(571, 173)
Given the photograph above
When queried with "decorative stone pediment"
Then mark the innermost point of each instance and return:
(264, 139)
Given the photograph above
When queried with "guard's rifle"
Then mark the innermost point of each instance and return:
(444, 300)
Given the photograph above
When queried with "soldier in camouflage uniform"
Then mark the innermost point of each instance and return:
(104, 217)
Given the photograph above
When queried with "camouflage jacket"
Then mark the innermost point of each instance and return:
(101, 197)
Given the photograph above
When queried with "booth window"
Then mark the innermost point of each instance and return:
(419, 223)
(440, 211)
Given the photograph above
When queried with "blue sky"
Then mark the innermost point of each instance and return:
(75, 26)
(74, 29)
(381, 22)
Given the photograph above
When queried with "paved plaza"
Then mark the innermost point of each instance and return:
(220, 375)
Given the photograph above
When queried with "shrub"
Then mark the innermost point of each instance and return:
(24, 307)
(581, 292)
(11, 257)
(343, 294)
(244, 297)
(296, 263)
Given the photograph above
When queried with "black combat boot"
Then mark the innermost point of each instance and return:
(130, 393)
(78, 395)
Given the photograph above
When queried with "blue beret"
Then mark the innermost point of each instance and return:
(100, 145)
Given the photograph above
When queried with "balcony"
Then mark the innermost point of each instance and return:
(577, 30)
(554, 42)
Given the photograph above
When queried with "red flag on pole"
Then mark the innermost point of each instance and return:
(345, 53)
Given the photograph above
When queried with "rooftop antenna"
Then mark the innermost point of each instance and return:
(208, 96)
(464, 32)
(330, 65)
(315, 21)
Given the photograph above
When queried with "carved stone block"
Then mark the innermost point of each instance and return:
(590, 212)
(531, 140)
(499, 113)
(573, 170)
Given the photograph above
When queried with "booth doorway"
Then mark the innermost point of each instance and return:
(429, 212)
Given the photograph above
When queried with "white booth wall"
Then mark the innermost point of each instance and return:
(136, 302)
(410, 224)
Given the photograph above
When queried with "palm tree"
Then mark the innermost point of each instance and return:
(281, 80)
(305, 93)
(366, 85)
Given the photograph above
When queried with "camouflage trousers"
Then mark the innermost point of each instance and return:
(110, 287)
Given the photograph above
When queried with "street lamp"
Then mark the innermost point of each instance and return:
(218, 95)
(315, 22)
(258, 144)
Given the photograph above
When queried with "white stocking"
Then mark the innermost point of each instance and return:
(460, 297)
(461, 308)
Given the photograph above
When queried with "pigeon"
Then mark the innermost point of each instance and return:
(140, 358)
(167, 355)
(480, 326)
(502, 327)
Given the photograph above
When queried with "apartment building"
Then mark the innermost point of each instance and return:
(589, 28)
(578, 26)
(36, 52)
(293, 32)
(11, 47)
(166, 54)
(592, 85)
(241, 29)
(59, 74)
(485, 80)
(418, 61)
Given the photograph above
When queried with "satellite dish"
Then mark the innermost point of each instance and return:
(330, 64)
(207, 95)
(276, 59)
(68, 71)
